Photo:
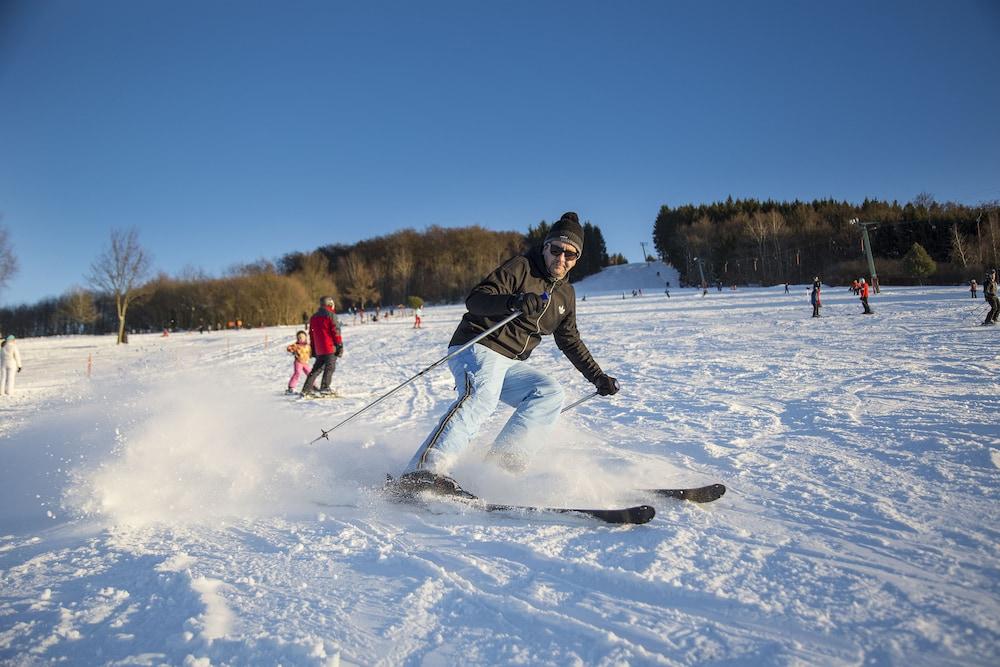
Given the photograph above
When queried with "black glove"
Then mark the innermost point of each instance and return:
(606, 385)
(338, 351)
(529, 304)
(18, 369)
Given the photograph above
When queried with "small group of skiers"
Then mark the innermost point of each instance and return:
(859, 287)
(324, 343)
(10, 365)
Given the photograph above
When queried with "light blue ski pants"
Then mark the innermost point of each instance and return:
(483, 379)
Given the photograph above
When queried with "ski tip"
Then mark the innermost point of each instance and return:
(630, 515)
(643, 513)
(702, 494)
(708, 493)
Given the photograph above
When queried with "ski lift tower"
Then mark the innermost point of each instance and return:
(701, 271)
(868, 249)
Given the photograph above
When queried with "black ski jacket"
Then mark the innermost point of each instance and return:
(487, 305)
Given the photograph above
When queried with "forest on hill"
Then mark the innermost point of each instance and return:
(747, 241)
(437, 265)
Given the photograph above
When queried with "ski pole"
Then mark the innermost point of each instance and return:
(585, 398)
(977, 312)
(573, 405)
(325, 432)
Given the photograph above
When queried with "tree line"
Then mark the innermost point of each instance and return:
(438, 265)
(748, 241)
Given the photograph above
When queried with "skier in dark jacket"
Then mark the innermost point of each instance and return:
(327, 346)
(493, 370)
(990, 294)
(814, 296)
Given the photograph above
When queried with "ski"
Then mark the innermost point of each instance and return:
(412, 486)
(637, 515)
(701, 494)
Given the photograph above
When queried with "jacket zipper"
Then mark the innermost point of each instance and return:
(538, 328)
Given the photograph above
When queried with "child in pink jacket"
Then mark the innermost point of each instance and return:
(302, 352)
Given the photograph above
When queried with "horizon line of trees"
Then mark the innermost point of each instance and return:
(748, 241)
(437, 265)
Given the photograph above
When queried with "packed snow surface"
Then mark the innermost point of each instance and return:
(171, 508)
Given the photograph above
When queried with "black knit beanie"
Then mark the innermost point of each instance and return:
(567, 230)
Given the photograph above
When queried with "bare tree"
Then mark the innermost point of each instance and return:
(77, 305)
(759, 226)
(315, 276)
(119, 271)
(992, 226)
(402, 269)
(959, 247)
(925, 200)
(359, 278)
(8, 262)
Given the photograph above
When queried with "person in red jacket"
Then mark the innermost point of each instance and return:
(863, 289)
(327, 346)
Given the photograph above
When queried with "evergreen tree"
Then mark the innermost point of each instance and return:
(536, 235)
(918, 263)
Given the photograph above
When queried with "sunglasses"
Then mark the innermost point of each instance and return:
(557, 250)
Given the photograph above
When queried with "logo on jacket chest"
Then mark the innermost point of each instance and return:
(562, 310)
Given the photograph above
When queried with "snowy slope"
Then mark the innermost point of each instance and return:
(169, 510)
(651, 278)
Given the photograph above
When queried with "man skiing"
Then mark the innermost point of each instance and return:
(864, 296)
(493, 369)
(990, 294)
(814, 297)
(327, 345)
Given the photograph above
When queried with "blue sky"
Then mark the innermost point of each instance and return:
(230, 131)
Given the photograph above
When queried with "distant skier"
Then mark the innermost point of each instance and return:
(990, 294)
(301, 352)
(10, 365)
(863, 289)
(494, 369)
(972, 287)
(814, 296)
(786, 287)
(327, 346)
(417, 315)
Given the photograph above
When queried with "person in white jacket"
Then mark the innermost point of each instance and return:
(10, 365)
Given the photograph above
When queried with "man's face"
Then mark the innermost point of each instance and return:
(559, 259)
